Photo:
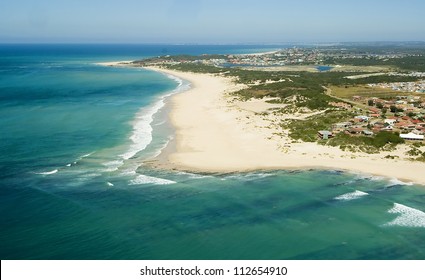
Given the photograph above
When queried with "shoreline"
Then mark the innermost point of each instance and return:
(215, 133)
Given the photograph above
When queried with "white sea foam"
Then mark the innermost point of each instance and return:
(86, 155)
(161, 123)
(249, 176)
(363, 176)
(142, 125)
(144, 179)
(112, 166)
(79, 158)
(159, 151)
(376, 178)
(87, 176)
(351, 196)
(194, 176)
(408, 217)
(48, 172)
(129, 172)
(393, 182)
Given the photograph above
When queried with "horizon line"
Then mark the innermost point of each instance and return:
(218, 44)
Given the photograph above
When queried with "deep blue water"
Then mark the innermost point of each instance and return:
(74, 136)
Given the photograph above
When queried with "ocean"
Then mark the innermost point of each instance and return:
(73, 183)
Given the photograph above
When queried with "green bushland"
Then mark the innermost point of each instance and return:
(409, 63)
(416, 153)
(306, 130)
(383, 140)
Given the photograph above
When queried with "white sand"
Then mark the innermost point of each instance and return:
(216, 133)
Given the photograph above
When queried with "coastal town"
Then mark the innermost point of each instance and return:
(287, 56)
(418, 86)
(402, 114)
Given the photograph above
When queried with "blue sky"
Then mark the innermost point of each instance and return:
(211, 21)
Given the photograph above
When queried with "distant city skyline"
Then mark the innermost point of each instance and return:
(210, 22)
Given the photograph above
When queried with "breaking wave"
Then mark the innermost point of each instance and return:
(141, 136)
(408, 217)
(351, 196)
(144, 179)
(48, 172)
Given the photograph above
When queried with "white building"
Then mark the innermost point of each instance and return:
(390, 121)
(412, 136)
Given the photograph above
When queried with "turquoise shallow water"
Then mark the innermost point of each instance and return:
(73, 135)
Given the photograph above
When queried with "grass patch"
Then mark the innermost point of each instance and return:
(347, 92)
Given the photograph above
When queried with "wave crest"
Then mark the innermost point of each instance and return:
(142, 125)
(48, 172)
(144, 179)
(408, 217)
(351, 196)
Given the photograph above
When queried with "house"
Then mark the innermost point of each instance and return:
(355, 130)
(361, 118)
(390, 121)
(341, 125)
(387, 128)
(400, 102)
(324, 134)
(374, 111)
(412, 136)
(367, 132)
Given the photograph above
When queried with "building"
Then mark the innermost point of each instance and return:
(412, 136)
(341, 125)
(355, 130)
(361, 118)
(367, 132)
(324, 134)
(374, 111)
(390, 121)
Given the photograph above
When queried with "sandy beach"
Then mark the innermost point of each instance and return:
(215, 132)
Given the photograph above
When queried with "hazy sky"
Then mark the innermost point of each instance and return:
(211, 21)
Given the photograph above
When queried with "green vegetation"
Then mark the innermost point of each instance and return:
(347, 92)
(304, 95)
(416, 153)
(382, 141)
(413, 61)
(306, 130)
